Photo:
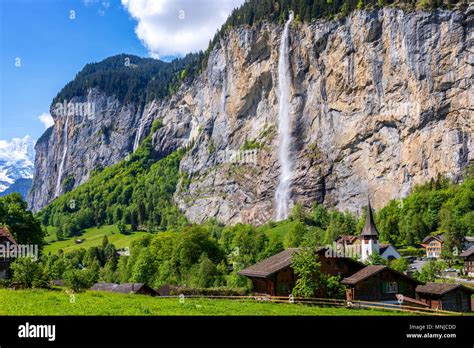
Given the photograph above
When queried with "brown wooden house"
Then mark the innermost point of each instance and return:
(274, 275)
(379, 283)
(468, 257)
(6, 238)
(446, 296)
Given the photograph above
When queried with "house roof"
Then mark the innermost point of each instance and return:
(270, 265)
(369, 229)
(347, 239)
(410, 300)
(383, 247)
(6, 234)
(440, 288)
(126, 288)
(368, 271)
(468, 252)
(438, 237)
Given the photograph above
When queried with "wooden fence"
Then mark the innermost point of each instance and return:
(332, 303)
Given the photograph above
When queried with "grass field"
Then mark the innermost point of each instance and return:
(92, 237)
(279, 230)
(57, 302)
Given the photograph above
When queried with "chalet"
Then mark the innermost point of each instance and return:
(127, 288)
(274, 275)
(379, 283)
(446, 296)
(434, 244)
(368, 242)
(468, 257)
(6, 238)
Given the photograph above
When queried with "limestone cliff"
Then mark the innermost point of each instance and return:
(380, 101)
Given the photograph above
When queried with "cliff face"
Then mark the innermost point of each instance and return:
(380, 101)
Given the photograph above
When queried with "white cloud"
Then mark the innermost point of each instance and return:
(46, 119)
(177, 27)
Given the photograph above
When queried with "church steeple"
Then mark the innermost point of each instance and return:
(369, 236)
(369, 230)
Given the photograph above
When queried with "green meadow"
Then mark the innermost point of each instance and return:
(58, 302)
(91, 237)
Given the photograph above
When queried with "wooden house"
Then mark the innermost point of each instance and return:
(274, 275)
(433, 245)
(379, 283)
(6, 239)
(468, 257)
(446, 296)
(126, 288)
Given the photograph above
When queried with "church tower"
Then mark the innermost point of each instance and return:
(369, 236)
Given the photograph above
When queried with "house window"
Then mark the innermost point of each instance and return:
(390, 287)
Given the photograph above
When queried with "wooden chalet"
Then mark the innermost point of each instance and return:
(468, 257)
(274, 275)
(446, 296)
(433, 245)
(6, 238)
(126, 288)
(379, 283)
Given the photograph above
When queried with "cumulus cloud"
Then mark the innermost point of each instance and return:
(177, 27)
(46, 119)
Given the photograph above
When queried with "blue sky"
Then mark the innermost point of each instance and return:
(52, 47)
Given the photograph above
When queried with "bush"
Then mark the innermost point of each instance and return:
(29, 273)
(77, 280)
(412, 251)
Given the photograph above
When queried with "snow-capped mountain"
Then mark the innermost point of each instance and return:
(16, 160)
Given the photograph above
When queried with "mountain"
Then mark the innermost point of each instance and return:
(16, 161)
(22, 186)
(379, 101)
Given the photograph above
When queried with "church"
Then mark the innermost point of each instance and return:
(365, 245)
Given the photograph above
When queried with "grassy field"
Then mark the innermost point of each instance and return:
(279, 230)
(57, 302)
(92, 237)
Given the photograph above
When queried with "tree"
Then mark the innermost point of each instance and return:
(77, 280)
(400, 264)
(306, 266)
(430, 271)
(29, 273)
(376, 259)
(25, 228)
(295, 236)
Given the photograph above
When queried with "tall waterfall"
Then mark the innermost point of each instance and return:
(63, 158)
(136, 143)
(282, 196)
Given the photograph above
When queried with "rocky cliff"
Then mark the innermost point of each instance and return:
(380, 101)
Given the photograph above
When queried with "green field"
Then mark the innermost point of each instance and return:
(92, 237)
(57, 302)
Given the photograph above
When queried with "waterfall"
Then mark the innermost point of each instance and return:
(63, 158)
(282, 195)
(136, 143)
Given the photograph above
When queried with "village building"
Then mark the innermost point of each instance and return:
(274, 275)
(446, 296)
(6, 239)
(379, 283)
(434, 245)
(126, 288)
(468, 257)
(367, 243)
